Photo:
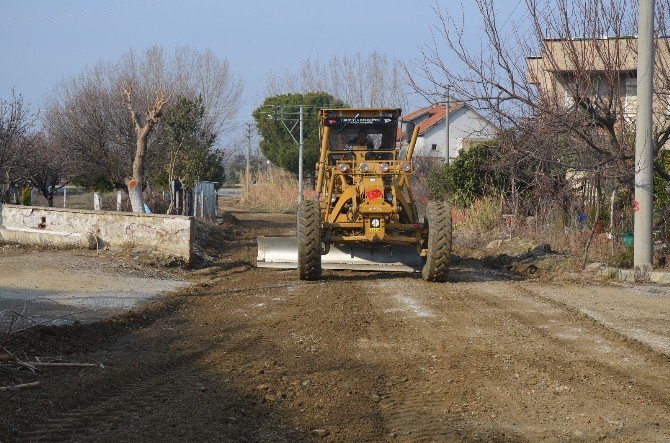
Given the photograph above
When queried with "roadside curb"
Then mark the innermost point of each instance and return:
(635, 275)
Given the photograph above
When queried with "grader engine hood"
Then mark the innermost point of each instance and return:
(374, 207)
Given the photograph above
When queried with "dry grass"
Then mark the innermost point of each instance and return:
(483, 216)
(272, 190)
(484, 221)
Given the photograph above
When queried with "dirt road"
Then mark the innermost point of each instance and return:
(252, 354)
(72, 285)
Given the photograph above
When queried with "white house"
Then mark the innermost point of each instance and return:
(466, 128)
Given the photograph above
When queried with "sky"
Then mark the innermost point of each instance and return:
(43, 41)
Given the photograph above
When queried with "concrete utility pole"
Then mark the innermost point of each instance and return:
(644, 143)
(446, 124)
(300, 145)
(248, 171)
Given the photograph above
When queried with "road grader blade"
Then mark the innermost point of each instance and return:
(282, 253)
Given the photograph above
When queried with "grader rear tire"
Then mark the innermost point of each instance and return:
(438, 218)
(309, 240)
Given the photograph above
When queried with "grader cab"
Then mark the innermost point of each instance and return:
(365, 217)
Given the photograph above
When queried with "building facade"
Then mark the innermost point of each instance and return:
(466, 128)
(603, 70)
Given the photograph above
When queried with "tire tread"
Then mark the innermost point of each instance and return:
(438, 216)
(309, 240)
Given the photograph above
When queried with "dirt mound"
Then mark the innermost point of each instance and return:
(211, 238)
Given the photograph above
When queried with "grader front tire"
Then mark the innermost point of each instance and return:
(438, 217)
(309, 240)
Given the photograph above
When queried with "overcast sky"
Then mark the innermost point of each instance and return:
(42, 41)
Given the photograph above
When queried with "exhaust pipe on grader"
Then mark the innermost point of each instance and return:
(365, 217)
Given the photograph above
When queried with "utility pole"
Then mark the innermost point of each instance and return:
(248, 171)
(446, 124)
(644, 143)
(300, 145)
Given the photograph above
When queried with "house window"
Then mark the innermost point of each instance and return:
(570, 92)
(433, 147)
(630, 98)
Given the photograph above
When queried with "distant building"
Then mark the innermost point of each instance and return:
(466, 128)
(568, 69)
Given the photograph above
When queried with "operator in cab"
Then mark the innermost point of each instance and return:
(361, 139)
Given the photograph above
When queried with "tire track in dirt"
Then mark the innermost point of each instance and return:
(486, 351)
(417, 401)
(110, 405)
(574, 329)
(657, 356)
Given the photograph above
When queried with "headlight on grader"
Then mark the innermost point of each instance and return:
(343, 167)
(384, 167)
(364, 167)
(406, 167)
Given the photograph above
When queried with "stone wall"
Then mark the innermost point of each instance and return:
(171, 235)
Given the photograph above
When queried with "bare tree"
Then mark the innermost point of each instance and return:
(108, 117)
(559, 78)
(369, 80)
(86, 119)
(16, 122)
(143, 124)
(202, 75)
(45, 167)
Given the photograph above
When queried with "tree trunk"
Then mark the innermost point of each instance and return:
(596, 220)
(50, 201)
(142, 130)
(135, 184)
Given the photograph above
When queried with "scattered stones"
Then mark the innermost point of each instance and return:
(376, 398)
(270, 398)
(307, 383)
(321, 432)
(495, 244)
(263, 387)
(561, 389)
(594, 267)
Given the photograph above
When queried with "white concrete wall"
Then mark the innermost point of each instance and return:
(463, 124)
(171, 235)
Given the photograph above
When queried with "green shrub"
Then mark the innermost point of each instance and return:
(26, 195)
(470, 176)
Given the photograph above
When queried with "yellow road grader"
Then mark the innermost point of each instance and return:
(365, 217)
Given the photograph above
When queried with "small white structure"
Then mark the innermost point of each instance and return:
(204, 200)
(466, 128)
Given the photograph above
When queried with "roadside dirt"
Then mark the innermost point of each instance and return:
(57, 287)
(251, 354)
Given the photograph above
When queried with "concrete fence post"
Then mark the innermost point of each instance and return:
(215, 198)
(97, 203)
(119, 197)
(64, 197)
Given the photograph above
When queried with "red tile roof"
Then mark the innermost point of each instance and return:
(435, 115)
